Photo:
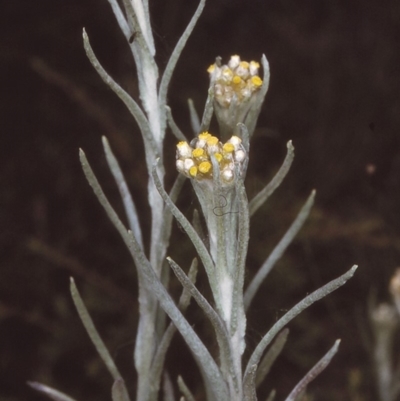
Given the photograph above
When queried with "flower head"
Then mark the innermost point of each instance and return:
(235, 88)
(195, 160)
(237, 80)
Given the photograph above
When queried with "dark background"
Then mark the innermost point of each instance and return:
(334, 91)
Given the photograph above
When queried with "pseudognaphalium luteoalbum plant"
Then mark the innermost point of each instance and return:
(216, 168)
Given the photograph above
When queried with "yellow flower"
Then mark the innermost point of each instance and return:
(196, 161)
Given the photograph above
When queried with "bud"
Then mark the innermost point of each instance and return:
(236, 87)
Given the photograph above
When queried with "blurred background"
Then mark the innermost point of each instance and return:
(335, 84)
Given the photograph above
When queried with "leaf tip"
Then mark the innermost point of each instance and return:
(264, 61)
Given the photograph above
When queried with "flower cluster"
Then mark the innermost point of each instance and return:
(237, 78)
(194, 160)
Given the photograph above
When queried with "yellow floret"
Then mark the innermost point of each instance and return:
(205, 167)
(244, 64)
(212, 141)
(236, 79)
(256, 81)
(193, 171)
(204, 135)
(198, 152)
(211, 68)
(196, 164)
(218, 157)
(228, 147)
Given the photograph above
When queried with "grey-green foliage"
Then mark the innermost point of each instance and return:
(226, 378)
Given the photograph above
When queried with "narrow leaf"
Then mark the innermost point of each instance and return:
(50, 392)
(120, 18)
(251, 118)
(169, 69)
(126, 196)
(208, 108)
(94, 183)
(313, 373)
(238, 315)
(196, 222)
(271, 355)
(179, 135)
(92, 332)
(184, 389)
(249, 388)
(133, 107)
(292, 313)
(194, 118)
(268, 190)
(243, 235)
(165, 236)
(119, 391)
(278, 251)
(168, 388)
(244, 134)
